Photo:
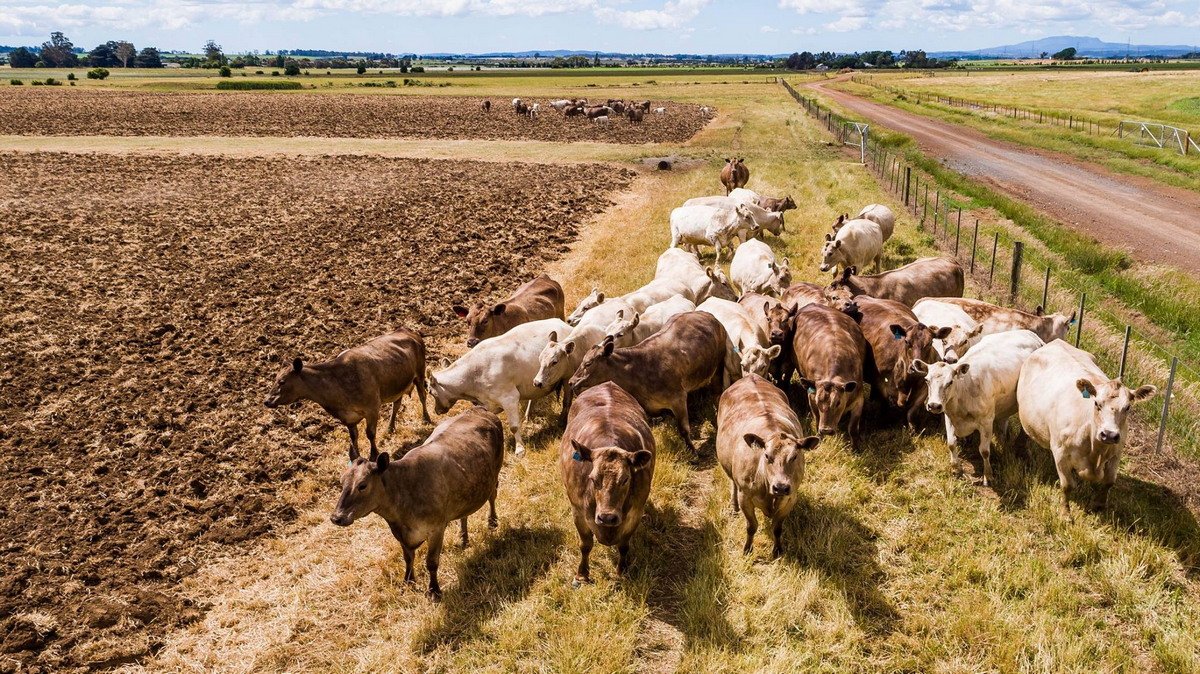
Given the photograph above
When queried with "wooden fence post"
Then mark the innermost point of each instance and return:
(974, 245)
(1162, 424)
(1015, 285)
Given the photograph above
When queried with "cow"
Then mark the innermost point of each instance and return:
(999, 319)
(597, 309)
(486, 105)
(705, 110)
(559, 360)
(532, 301)
(521, 108)
(755, 270)
(778, 322)
(709, 226)
(601, 120)
(760, 445)
(735, 174)
(657, 290)
(448, 477)
(877, 213)
(594, 111)
(926, 277)
(854, 245)
(515, 102)
(352, 385)
(606, 460)
(660, 111)
(617, 106)
(561, 105)
(644, 105)
(830, 351)
(897, 338)
(704, 282)
(801, 294)
(635, 115)
(771, 221)
(631, 330)
(573, 111)
(687, 354)
(965, 331)
(498, 373)
(747, 349)
(1068, 405)
(978, 390)
(773, 204)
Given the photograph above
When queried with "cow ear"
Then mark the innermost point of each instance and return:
(940, 333)
(962, 368)
(637, 318)
(828, 237)
(599, 298)
(620, 314)
(774, 351)
(1144, 393)
(786, 263)
(609, 345)
(582, 452)
(850, 386)
(569, 347)
(1072, 319)
(766, 308)
(460, 310)
(297, 365)
(381, 463)
(837, 244)
(809, 385)
(553, 336)
(793, 311)
(919, 366)
(445, 362)
(641, 458)
(754, 441)
(499, 309)
(976, 331)
(1086, 388)
(809, 443)
(898, 331)
(1039, 311)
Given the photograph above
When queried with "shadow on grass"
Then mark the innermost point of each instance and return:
(500, 571)
(1156, 512)
(843, 549)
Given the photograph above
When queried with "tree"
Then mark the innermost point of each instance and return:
(148, 58)
(278, 61)
(22, 58)
(1044, 54)
(103, 56)
(362, 67)
(1064, 55)
(58, 52)
(124, 52)
(213, 53)
(596, 61)
(225, 71)
(915, 58)
(97, 74)
(292, 69)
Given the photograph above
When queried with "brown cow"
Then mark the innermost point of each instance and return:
(352, 385)
(995, 319)
(606, 459)
(594, 111)
(685, 355)
(926, 277)
(487, 106)
(896, 338)
(777, 322)
(573, 111)
(830, 352)
(734, 175)
(536, 300)
(775, 204)
(799, 295)
(635, 115)
(448, 477)
(761, 447)
(644, 105)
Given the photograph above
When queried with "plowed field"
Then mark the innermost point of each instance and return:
(80, 112)
(145, 305)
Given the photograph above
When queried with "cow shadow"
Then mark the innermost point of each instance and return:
(1156, 512)
(829, 540)
(502, 570)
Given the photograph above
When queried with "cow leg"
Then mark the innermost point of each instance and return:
(734, 496)
(1100, 500)
(583, 575)
(421, 394)
(512, 411)
(463, 526)
(396, 404)
(493, 521)
(856, 420)
(1065, 478)
(952, 442)
(679, 411)
(432, 557)
(353, 428)
(777, 531)
(623, 556)
(409, 554)
(568, 397)
(372, 425)
(751, 525)
(915, 405)
(985, 448)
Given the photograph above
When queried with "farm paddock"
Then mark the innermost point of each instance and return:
(148, 302)
(124, 113)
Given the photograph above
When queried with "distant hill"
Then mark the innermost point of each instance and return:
(1084, 46)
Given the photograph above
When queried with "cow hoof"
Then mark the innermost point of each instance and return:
(580, 581)
(435, 595)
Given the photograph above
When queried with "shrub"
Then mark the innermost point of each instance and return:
(274, 73)
(291, 70)
(97, 73)
(71, 77)
(258, 84)
(225, 71)
(258, 72)
(51, 82)
(16, 83)
(36, 83)
(417, 69)
(362, 69)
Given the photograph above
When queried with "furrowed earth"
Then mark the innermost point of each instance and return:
(148, 302)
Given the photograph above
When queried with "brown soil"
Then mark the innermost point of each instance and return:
(81, 112)
(1157, 223)
(147, 303)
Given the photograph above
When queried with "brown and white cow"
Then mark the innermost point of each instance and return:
(926, 277)
(606, 460)
(995, 318)
(735, 174)
(538, 299)
(896, 338)
(830, 352)
(778, 323)
(447, 478)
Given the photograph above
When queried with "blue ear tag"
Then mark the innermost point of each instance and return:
(812, 390)
(1073, 321)
(736, 350)
(577, 457)
(350, 462)
(897, 335)
(1086, 394)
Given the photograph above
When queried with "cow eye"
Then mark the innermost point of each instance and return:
(553, 362)
(770, 459)
(362, 486)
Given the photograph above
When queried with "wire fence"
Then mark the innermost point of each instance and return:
(1008, 269)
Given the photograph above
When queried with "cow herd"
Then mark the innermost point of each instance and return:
(601, 114)
(904, 340)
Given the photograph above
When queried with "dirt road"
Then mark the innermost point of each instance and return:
(1156, 223)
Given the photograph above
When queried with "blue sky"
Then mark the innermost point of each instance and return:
(668, 26)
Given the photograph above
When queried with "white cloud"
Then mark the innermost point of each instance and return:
(846, 24)
(673, 15)
(769, 29)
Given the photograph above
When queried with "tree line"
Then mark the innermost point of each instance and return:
(914, 58)
(59, 52)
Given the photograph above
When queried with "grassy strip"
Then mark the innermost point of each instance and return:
(242, 85)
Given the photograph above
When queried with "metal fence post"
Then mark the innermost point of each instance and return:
(995, 245)
(958, 232)
(1046, 290)
(1162, 424)
(1079, 318)
(974, 245)
(1018, 255)
(907, 180)
(1125, 352)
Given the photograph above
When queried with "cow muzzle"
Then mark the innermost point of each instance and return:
(608, 519)
(341, 519)
(271, 403)
(824, 267)
(935, 408)
(1109, 437)
(826, 431)
(781, 489)
(472, 342)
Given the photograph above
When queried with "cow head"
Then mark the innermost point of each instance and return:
(594, 368)
(956, 343)
(830, 253)
(781, 276)
(1055, 326)
(841, 289)
(781, 459)
(939, 380)
(593, 300)
(917, 340)
(554, 362)
(363, 490)
(1111, 401)
(757, 360)
(841, 220)
(621, 326)
(788, 204)
(288, 387)
(718, 285)
(831, 398)
(610, 480)
(480, 320)
(781, 322)
(442, 399)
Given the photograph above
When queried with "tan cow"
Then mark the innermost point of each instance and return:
(760, 445)
(533, 301)
(830, 351)
(448, 477)
(735, 174)
(355, 383)
(926, 277)
(995, 319)
(606, 460)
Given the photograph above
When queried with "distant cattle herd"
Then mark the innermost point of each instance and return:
(601, 114)
(905, 338)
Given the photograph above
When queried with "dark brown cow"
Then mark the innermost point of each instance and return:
(521, 108)
(685, 355)
(352, 385)
(830, 352)
(778, 323)
(635, 115)
(735, 174)
(896, 338)
(644, 105)
(536, 300)
(486, 105)
(447, 478)
(594, 111)
(761, 446)
(800, 295)
(775, 204)
(926, 277)
(616, 105)
(606, 459)
(573, 111)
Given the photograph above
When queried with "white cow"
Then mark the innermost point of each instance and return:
(516, 102)
(630, 331)
(602, 119)
(658, 290)
(995, 318)
(855, 244)
(771, 221)
(709, 226)
(559, 360)
(979, 390)
(561, 104)
(704, 109)
(498, 373)
(705, 282)
(1071, 407)
(755, 270)
(880, 215)
(604, 313)
(965, 331)
(660, 111)
(747, 350)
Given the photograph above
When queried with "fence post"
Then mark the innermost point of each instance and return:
(1162, 425)
(974, 245)
(907, 181)
(1046, 290)
(1018, 255)
(995, 243)
(1124, 352)
(958, 231)
(1079, 317)
(937, 202)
